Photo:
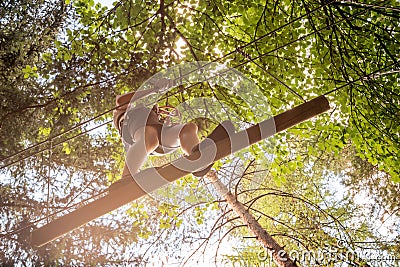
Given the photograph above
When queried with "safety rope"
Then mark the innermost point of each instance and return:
(112, 109)
(238, 50)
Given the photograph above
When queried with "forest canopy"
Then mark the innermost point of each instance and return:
(332, 178)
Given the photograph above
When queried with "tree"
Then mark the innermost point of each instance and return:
(67, 74)
(27, 30)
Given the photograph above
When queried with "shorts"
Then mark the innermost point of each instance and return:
(137, 118)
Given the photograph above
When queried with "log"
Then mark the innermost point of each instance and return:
(151, 179)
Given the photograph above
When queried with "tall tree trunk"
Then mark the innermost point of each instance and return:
(278, 254)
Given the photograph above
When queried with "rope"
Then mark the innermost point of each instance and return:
(31, 224)
(54, 145)
(367, 76)
(218, 59)
(239, 49)
(48, 181)
(246, 55)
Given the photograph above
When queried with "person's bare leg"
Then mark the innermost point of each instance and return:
(188, 137)
(146, 141)
(183, 135)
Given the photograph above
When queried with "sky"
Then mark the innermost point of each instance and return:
(109, 4)
(208, 260)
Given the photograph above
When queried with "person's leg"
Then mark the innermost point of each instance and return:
(146, 141)
(188, 137)
(183, 135)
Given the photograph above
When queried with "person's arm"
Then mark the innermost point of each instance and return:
(142, 93)
(122, 101)
(132, 96)
(158, 85)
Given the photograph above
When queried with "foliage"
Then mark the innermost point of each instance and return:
(27, 29)
(62, 63)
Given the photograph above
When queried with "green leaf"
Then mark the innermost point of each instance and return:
(66, 148)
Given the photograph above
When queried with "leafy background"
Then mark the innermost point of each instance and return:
(332, 178)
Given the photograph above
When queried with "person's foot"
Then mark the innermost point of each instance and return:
(220, 132)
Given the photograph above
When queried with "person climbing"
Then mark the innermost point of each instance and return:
(142, 137)
(143, 133)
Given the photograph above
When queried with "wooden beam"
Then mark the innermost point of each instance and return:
(151, 179)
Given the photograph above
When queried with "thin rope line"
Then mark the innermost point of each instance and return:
(362, 78)
(64, 132)
(218, 59)
(246, 55)
(48, 180)
(18, 230)
(52, 214)
(238, 65)
(54, 145)
(60, 134)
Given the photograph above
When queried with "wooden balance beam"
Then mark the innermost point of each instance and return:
(151, 179)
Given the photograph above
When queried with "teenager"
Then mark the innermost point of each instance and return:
(143, 133)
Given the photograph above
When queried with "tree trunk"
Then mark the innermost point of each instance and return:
(278, 254)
